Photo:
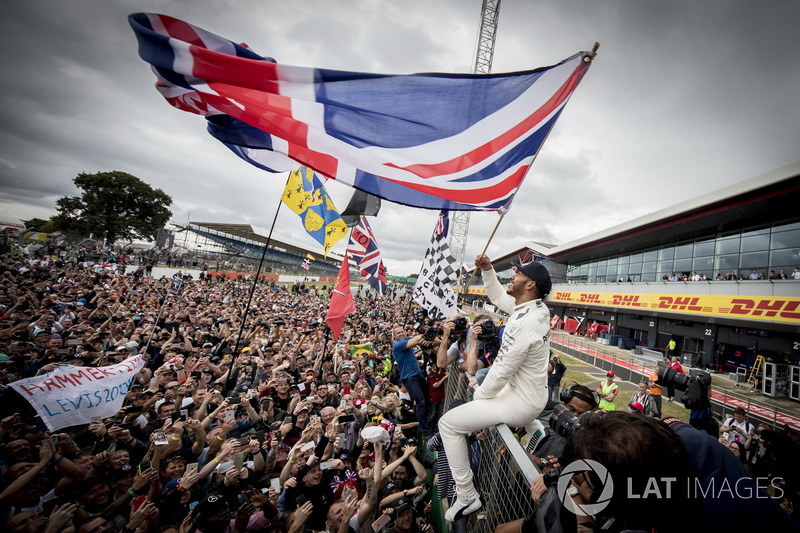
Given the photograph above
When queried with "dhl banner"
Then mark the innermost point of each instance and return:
(767, 308)
(475, 290)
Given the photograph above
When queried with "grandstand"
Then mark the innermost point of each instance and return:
(244, 240)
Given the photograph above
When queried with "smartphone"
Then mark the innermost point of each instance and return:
(54, 440)
(347, 418)
(238, 460)
(229, 415)
(144, 465)
(326, 465)
(74, 342)
(176, 345)
(191, 467)
(175, 417)
(301, 500)
(307, 446)
(160, 438)
(260, 435)
(342, 438)
(184, 415)
(242, 499)
(234, 400)
(287, 420)
(138, 501)
(381, 522)
(275, 483)
(96, 419)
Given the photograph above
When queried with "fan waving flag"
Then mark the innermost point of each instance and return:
(367, 350)
(305, 195)
(438, 141)
(439, 270)
(342, 303)
(364, 250)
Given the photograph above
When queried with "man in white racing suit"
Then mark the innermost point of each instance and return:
(515, 390)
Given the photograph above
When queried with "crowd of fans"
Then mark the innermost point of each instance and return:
(263, 423)
(220, 431)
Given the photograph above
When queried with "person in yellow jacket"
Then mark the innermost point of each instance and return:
(607, 390)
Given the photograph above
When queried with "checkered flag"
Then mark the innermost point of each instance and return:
(439, 270)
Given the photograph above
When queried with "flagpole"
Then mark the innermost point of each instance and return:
(235, 369)
(588, 59)
(465, 288)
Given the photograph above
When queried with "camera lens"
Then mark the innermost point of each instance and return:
(563, 422)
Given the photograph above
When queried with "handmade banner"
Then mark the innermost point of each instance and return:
(73, 395)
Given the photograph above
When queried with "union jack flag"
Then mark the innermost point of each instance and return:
(437, 141)
(349, 479)
(364, 249)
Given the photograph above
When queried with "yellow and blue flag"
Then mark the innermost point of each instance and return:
(305, 195)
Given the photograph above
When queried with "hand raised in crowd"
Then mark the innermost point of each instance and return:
(141, 481)
(59, 518)
(145, 512)
(409, 450)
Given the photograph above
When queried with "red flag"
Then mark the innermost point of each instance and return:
(342, 303)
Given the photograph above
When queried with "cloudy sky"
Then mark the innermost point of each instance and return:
(684, 97)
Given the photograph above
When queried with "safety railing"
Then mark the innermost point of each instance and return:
(504, 471)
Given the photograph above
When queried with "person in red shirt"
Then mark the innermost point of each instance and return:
(436, 385)
(674, 363)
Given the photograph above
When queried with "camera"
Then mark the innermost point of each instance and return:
(563, 422)
(488, 331)
(432, 333)
(460, 325)
(694, 386)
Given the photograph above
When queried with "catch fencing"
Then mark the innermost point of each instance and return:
(504, 471)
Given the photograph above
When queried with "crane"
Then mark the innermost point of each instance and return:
(459, 220)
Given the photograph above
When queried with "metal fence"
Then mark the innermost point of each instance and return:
(505, 472)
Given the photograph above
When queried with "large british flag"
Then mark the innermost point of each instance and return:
(364, 249)
(438, 141)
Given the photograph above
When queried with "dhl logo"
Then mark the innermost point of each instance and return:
(589, 298)
(680, 303)
(767, 308)
(626, 300)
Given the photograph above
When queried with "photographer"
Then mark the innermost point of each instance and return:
(455, 342)
(640, 452)
(555, 373)
(737, 428)
(483, 346)
(411, 376)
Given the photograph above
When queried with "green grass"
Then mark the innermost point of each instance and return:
(577, 372)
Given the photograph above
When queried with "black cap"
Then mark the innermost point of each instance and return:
(122, 471)
(536, 272)
(210, 506)
(402, 504)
